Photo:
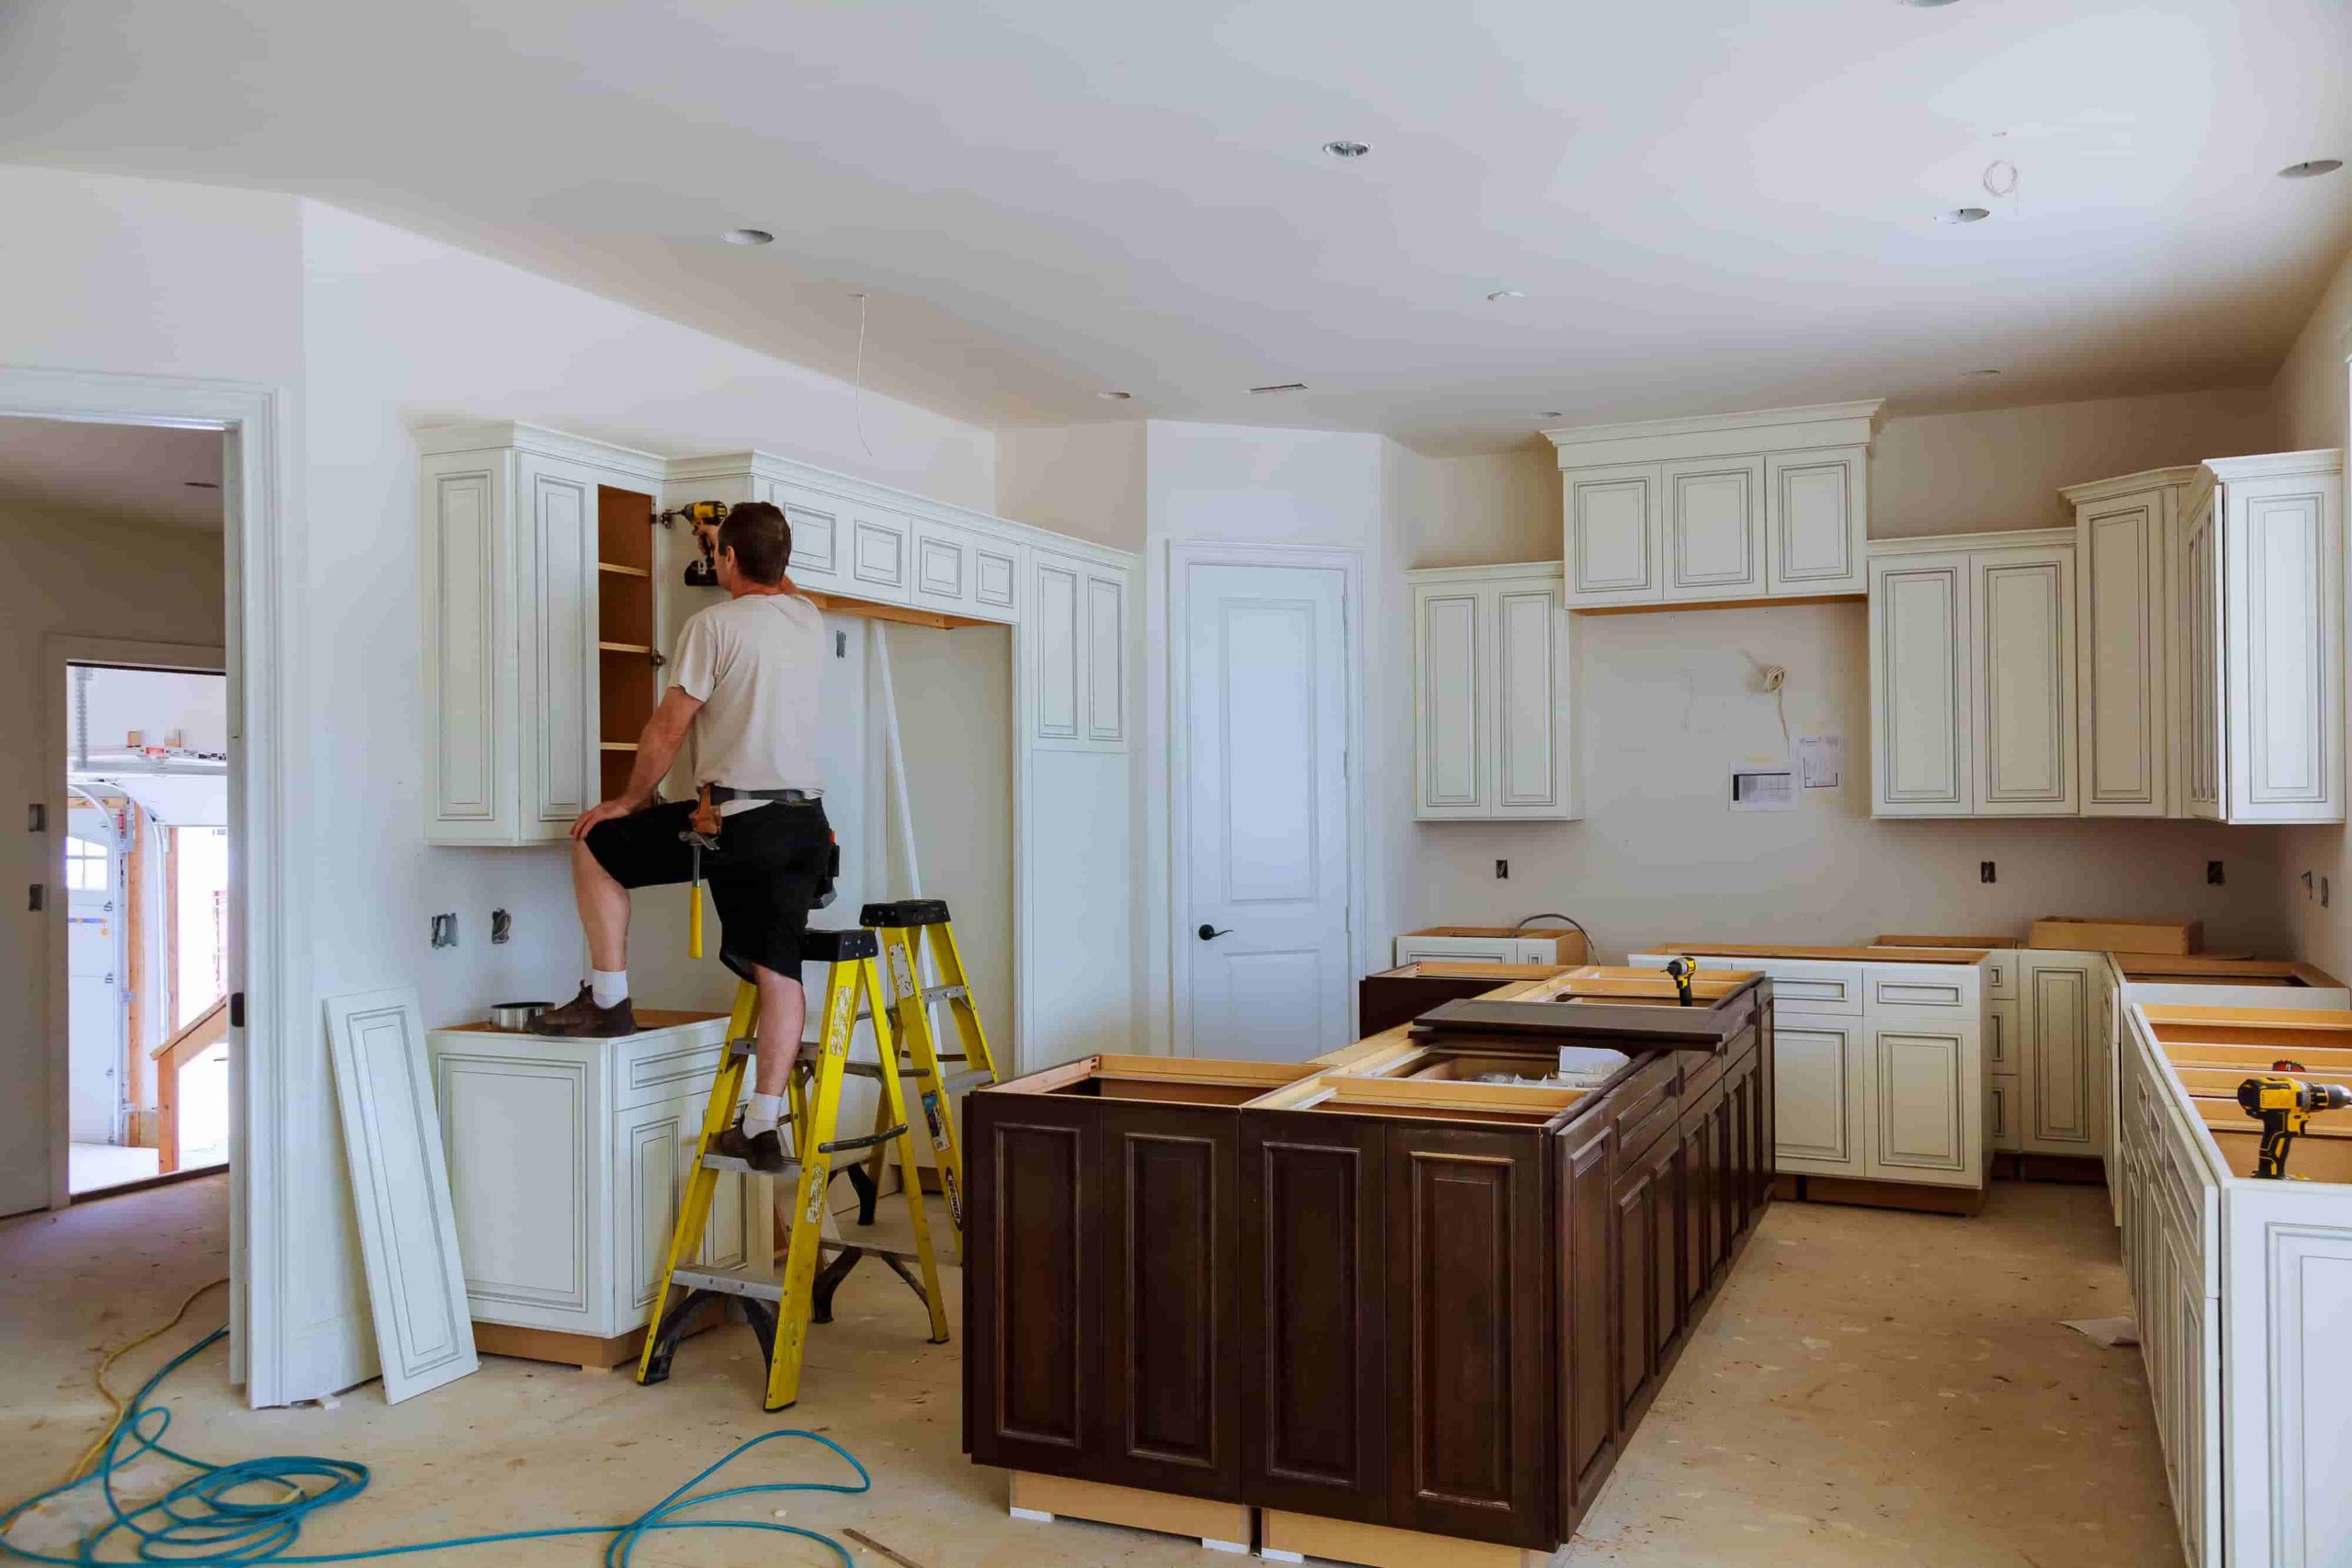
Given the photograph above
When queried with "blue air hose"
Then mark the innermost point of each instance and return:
(208, 1520)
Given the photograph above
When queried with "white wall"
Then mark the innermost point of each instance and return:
(153, 703)
(1086, 481)
(2311, 410)
(151, 585)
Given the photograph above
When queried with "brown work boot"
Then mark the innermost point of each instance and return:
(582, 1019)
(761, 1151)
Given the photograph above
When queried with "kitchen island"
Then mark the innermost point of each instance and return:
(1375, 1306)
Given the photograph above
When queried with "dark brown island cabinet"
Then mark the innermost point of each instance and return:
(1373, 1294)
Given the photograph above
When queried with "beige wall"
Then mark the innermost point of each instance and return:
(2312, 398)
(1086, 481)
(66, 577)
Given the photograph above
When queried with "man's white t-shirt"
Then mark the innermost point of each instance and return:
(755, 663)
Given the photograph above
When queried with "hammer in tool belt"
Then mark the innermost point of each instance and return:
(702, 833)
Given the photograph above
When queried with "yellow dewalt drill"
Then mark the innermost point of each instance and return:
(1682, 970)
(2284, 1107)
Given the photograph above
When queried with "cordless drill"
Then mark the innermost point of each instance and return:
(2284, 1107)
(1681, 969)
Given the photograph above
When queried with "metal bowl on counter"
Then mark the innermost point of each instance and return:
(517, 1016)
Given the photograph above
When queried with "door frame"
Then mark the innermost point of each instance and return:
(59, 654)
(1182, 556)
(262, 578)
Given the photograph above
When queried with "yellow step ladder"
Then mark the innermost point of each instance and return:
(781, 1309)
(906, 928)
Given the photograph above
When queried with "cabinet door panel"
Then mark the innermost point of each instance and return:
(1527, 700)
(1714, 528)
(1587, 1297)
(1814, 507)
(819, 537)
(1314, 1300)
(1919, 686)
(1060, 649)
(1106, 657)
(878, 555)
(2024, 718)
(1636, 1295)
(2283, 648)
(1469, 1351)
(1170, 1301)
(1921, 1080)
(1818, 1095)
(650, 1177)
(2120, 590)
(1451, 741)
(523, 1213)
(1615, 520)
(2059, 1068)
(2202, 627)
(993, 572)
(558, 606)
(1032, 1368)
(2002, 1098)
(943, 574)
(469, 662)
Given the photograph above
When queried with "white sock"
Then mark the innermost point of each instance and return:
(763, 1114)
(610, 987)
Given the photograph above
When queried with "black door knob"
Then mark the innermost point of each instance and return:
(1210, 933)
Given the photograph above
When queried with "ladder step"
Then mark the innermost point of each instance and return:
(742, 1280)
(956, 1082)
(743, 1168)
(931, 994)
(871, 1249)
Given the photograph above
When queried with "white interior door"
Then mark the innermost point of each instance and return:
(1265, 716)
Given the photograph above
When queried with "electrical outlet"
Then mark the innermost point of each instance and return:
(36, 898)
(1984, 870)
(36, 818)
(2322, 892)
(841, 645)
(2214, 873)
(444, 930)
(502, 926)
(1502, 871)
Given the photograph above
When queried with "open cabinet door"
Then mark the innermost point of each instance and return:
(408, 1233)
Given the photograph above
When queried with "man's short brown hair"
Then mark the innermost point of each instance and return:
(756, 531)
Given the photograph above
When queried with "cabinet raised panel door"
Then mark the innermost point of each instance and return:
(2024, 720)
(557, 671)
(1451, 740)
(1615, 520)
(1817, 1095)
(2283, 649)
(1588, 1296)
(1527, 700)
(1919, 1110)
(1637, 1266)
(1814, 505)
(2201, 626)
(1469, 1346)
(2119, 591)
(1714, 528)
(1313, 1290)
(1032, 1404)
(2061, 1069)
(1919, 686)
(1171, 1304)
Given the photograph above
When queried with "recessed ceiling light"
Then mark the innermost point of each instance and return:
(199, 484)
(1964, 215)
(2311, 168)
(1347, 149)
(1507, 294)
(749, 237)
(1115, 397)
(1925, 5)
(1282, 387)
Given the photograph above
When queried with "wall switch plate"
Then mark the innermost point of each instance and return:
(2214, 873)
(36, 898)
(502, 926)
(2306, 880)
(1984, 870)
(36, 818)
(444, 930)
(1502, 870)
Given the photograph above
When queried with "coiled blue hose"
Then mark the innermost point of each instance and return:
(204, 1522)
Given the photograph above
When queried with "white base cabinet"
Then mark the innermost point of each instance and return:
(1878, 1068)
(2061, 1063)
(1491, 735)
(567, 1162)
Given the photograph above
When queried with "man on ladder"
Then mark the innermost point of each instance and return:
(744, 683)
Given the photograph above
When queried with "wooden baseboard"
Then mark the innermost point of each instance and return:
(1202, 1519)
(586, 1351)
(1961, 1200)
(1383, 1546)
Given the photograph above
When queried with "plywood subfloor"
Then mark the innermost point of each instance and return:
(1873, 1387)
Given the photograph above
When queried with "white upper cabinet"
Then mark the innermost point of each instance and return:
(2125, 542)
(1078, 635)
(2264, 612)
(1732, 507)
(1491, 735)
(511, 523)
(1972, 676)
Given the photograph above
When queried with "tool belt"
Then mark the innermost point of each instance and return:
(705, 825)
(719, 795)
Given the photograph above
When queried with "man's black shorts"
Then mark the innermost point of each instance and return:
(764, 875)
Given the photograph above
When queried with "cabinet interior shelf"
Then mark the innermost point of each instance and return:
(623, 648)
(616, 745)
(620, 571)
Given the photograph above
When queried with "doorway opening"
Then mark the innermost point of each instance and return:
(147, 866)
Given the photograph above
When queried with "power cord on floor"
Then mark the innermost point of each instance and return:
(210, 1521)
(114, 1400)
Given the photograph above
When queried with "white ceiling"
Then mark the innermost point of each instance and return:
(121, 472)
(1710, 204)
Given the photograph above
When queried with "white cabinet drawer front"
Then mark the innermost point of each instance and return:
(1955, 992)
(522, 1204)
(1813, 511)
(1476, 949)
(1803, 988)
(673, 1068)
(1714, 528)
(994, 572)
(1449, 739)
(879, 556)
(2003, 1051)
(2001, 1101)
(1613, 522)
(1817, 1095)
(1919, 1102)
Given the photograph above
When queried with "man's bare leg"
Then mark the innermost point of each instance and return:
(784, 1013)
(604, 910)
